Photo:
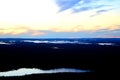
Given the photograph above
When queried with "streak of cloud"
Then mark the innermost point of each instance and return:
(98, 12)
(20, 30)
(14, 31)
(80, 28)
(80, 5)
(66, 4)
(37, 33)
(50, 17)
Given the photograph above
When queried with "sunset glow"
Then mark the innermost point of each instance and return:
(40, 18)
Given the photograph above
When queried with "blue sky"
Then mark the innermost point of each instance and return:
(59, 18)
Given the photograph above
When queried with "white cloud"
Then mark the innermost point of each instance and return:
(41, 15)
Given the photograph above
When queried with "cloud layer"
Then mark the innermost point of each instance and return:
(58, 16)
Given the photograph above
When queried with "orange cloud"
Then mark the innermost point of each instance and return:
(114, 27)
(37, 33)
(20, 30)
(14, 31)
(80, 28)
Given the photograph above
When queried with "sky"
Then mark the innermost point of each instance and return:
(59, 19)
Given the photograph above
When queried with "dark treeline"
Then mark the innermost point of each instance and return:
(98, 58)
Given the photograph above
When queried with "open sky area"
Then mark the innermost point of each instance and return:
(59, 18)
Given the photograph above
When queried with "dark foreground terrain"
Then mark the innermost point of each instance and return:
(101, 59)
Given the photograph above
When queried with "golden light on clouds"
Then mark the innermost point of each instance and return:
(40, 15)
(37, 33)
(14, 31)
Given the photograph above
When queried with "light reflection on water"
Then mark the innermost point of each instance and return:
(30, 71)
